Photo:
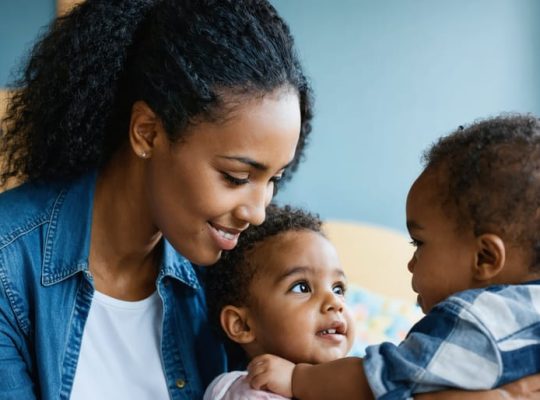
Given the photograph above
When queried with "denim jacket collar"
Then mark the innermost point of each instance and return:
(63, 254)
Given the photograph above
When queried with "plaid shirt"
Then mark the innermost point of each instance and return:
(476, 339)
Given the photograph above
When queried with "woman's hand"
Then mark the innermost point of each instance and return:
(527, 388)
(522, 389)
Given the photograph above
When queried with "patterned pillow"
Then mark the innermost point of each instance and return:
(379, 318)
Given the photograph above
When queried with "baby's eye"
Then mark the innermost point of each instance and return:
(416, 243)
(301, 287)
(339, 290)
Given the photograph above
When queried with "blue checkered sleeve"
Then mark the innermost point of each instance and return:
(478, 339)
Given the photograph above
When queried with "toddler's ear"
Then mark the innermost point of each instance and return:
(490, 256)
(234, 323)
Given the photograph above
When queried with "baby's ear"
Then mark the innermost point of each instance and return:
(490, 256)
(235, 324)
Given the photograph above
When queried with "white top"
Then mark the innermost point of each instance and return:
(120, 351)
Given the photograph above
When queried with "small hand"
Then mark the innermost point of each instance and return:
(272, 373)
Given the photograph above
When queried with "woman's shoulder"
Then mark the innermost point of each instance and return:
(25, 207)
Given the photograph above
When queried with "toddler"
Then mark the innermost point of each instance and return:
(474, 216)
(280, 291)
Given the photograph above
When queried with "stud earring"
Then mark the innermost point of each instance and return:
(144, 154)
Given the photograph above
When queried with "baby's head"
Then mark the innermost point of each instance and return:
(473, 213)
(281, 291)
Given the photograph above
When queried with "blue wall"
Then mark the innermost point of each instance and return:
(20, 22)
(390, 76)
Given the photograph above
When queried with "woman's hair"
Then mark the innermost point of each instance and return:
(189, 60)
(490, 179)
(228, 281)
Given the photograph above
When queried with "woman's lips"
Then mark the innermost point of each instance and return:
(225, 238)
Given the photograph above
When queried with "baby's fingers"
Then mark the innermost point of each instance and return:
(259, 381)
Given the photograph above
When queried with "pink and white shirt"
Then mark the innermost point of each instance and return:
(234, 386)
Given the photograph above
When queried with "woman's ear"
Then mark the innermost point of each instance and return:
(143, 129)
(235, 324)
(490, 256)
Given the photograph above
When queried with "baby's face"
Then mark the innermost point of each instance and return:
(444, 260)
(297, 308)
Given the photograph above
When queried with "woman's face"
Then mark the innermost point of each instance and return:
(206, 189)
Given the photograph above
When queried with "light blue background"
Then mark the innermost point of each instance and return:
(390, 76)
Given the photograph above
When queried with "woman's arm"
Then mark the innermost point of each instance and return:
(15, 381)
(527, 388)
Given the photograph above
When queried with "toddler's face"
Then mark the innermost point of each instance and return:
(298, 307)
(444, 260)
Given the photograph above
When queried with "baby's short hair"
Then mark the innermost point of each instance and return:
(228, 281)
(491, 179)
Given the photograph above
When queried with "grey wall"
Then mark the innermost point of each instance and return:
(390, 76)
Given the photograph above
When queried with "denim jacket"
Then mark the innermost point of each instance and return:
(46, 290)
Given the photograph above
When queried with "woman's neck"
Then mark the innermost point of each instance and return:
(124, 251)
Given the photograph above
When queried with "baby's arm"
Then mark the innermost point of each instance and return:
(313, 382)
(306, 381)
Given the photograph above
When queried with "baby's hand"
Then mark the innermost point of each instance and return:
(272, 373)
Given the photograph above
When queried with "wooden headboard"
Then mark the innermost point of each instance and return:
(63, 6)
(373, 257)
(3, 102)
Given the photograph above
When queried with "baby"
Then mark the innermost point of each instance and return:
(280, 291)
(474, 216)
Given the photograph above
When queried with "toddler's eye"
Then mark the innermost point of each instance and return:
(339, 290)
(300, 287)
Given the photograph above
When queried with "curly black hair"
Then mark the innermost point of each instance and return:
(491, 178)
(185, 58)
(227, 282)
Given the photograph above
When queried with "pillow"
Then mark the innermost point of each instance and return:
(379, 318)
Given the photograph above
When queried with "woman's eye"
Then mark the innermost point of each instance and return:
(235, 180)
(275, 181)
(339, 290)
(300, 287)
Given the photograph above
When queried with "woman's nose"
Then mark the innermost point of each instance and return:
(253, 208)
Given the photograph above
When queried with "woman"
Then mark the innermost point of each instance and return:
(150, 134)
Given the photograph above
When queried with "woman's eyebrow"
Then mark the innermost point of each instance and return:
(247, 161)
(251, 162)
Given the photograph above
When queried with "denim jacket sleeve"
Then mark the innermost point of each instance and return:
(15, 380)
